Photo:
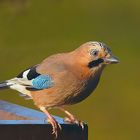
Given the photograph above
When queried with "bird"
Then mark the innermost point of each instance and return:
(63, 79)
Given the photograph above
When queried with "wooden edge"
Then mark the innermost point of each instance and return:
(10, 112)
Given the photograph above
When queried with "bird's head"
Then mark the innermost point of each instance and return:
(95, 54)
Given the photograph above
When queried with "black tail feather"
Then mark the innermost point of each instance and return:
(3, 85)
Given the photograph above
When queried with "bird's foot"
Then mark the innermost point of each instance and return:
(56, 127)
(74, 121)
(71, 119)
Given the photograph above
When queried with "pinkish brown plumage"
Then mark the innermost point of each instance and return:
(63, 79)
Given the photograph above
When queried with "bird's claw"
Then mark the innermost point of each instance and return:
(75, 121)
(55, 126)
(80, 123)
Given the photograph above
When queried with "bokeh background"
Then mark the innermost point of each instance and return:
(31, 30)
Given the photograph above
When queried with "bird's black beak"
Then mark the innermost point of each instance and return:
(111, 60)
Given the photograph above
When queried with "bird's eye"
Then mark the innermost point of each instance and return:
(94, 52)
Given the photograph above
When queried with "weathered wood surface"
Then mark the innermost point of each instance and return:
(21, 123)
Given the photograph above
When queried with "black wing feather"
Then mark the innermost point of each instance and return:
(31, 74)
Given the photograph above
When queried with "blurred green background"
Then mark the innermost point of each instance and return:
(31, 30)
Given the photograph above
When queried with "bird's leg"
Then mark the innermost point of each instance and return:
(71, 119)
(55, 125)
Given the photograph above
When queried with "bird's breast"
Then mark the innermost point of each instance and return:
(82, 89)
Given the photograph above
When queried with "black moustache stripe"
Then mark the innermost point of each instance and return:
(95, 63)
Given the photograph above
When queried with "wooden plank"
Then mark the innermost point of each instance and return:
(16, 112)
(21, 123)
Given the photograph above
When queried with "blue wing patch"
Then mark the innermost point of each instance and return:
(42, 82)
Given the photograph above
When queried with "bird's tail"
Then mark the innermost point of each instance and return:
(4, 85)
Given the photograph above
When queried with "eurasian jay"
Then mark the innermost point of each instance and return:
(63, 79)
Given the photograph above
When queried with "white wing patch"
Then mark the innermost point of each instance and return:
(21, 89)
(19, 84)
(24, 81)
(25, 73)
